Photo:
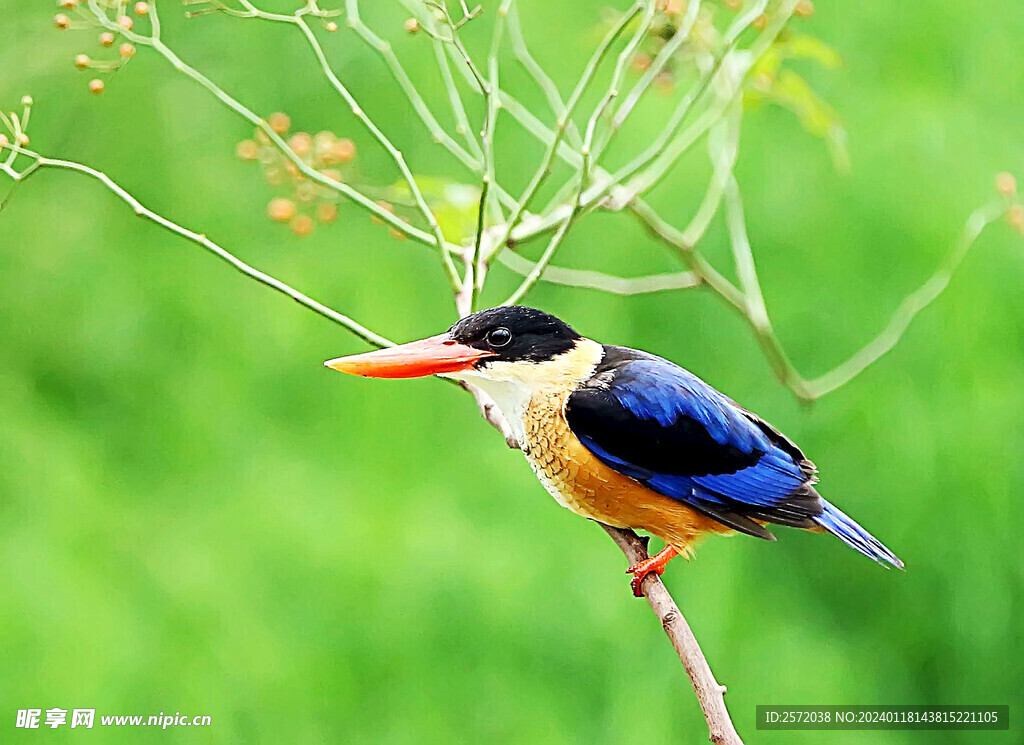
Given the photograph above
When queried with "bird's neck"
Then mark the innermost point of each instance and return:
(517, 389)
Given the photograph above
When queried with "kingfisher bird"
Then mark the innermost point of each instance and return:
(624, 437)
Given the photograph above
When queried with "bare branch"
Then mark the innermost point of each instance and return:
(200, 239)
(710, 693)
(588, 279)
(232, 103)
(913, 304)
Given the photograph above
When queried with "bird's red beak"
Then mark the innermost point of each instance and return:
(437, 354)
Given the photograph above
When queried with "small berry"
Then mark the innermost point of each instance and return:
(804, 9)
(641, 62)
(141, 8)
(279, 122)
(247, 150)
(61, 21)
(344, 150)
(411, 25)
(305, 191)
(281, 209)
(126, 50)
(1015, 216)
(96, 86)
(302, 225)
(125, 22)
(331, 26)
(301, 144)
(1006, 184)
(387, 207)
(107, 39)
(326, 212)
(81, 61)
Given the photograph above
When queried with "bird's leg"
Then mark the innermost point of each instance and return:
(654, 564)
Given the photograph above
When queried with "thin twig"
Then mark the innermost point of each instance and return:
(913, 304)
(200, 239)
(541, 174)
(232, 103)
(591, 280)
(710, 693)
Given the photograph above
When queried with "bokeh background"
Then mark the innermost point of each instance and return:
(195, 516)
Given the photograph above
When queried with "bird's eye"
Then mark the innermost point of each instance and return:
(499, 337)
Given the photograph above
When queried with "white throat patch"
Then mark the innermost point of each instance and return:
(513, 385)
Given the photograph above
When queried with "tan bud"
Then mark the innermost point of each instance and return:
(411, 25)
(804, 9)
(247, 150)
(281, 209)
(141, 8)
(3, 140)
(81, 61)
(387, 207)
(301, 144)
(26, 101)
(279, 122)
(61, 21)
(125, 22)
(641, 62)
(67, 4)
(1015, 216)
(126, 50)
(344, 150)
(326, 212)
(107, 39)
(397, 234)
(331, 26)
(760, 22)
(96, 86)
(302, 225)
(1006, 184)
(22, 139)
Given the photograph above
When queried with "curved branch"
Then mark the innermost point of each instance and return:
(200, 239)
(710, 693)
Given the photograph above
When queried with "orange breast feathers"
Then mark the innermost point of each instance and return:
(585, 485)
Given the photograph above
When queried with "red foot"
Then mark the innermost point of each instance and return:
(655, 564)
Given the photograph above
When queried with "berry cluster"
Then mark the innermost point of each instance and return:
(107, 39)
(306, 202)
(704, 36)
(1006, 185)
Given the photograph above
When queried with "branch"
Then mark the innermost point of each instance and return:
(710, 693)
(198, 238)
(591, 280)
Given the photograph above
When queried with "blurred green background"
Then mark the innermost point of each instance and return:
(196, 516)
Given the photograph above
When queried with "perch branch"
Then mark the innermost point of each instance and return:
(710, 693)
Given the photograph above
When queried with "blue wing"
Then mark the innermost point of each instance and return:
(654, 421)
(663, 426)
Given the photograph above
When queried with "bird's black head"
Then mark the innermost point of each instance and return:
(515, 333)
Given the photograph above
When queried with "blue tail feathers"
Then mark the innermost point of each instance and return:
(843, 527)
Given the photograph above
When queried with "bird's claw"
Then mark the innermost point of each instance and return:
(651, 565)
